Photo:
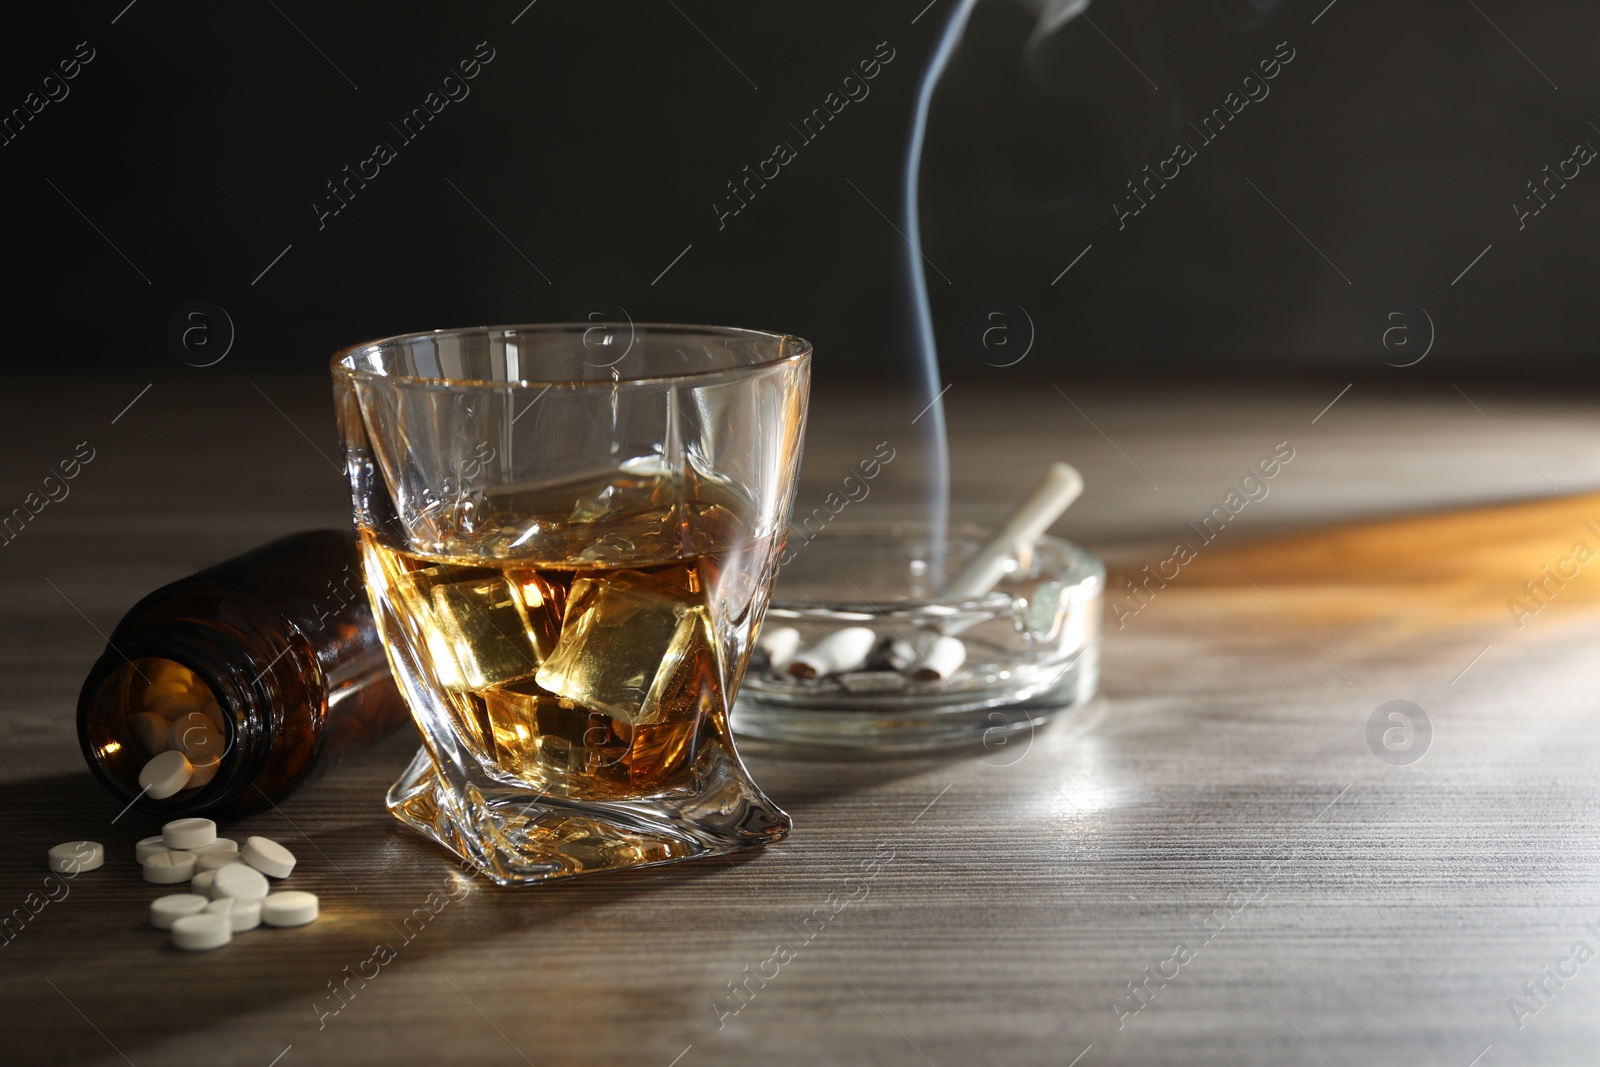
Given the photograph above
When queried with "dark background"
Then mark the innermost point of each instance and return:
(600, 135)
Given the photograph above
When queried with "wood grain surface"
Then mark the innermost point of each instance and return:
(1214, 830)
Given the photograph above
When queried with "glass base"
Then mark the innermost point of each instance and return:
(515, 835)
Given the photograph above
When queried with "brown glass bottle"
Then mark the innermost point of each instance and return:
(281, 639)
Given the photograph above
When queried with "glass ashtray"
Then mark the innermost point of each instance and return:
(1022, 653)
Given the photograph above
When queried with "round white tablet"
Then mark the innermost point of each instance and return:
(196, 737)
(205, 769)
(197, 933)
(166, 670)
(267, 856)
(171, 705)
(165, 775)
(189, 833)
(75, 857)
(200, 884)
(168, 868)
(242, 915)
(214, 716)
(152, 731)
(165, 689)
(239, 881)
(220, 845)
(289, 907)
(148, 847)
(164, 911)
(215, 861)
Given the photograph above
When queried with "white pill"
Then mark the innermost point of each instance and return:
(164, 911)
(149, 847)
(267, 856)
(197, 933)
(165, 775)
(166, 670)
(215, 861)
(172, 705)
(928, 657)
(152, 731)
(840, 651)
(167, 868)
(239, 881)
(242, 915)
(221, 844)
(189, 834)
(165, 687)
(205, 769)
(196, 737)
(209, 714)
(75, 857)
(202, 883)
(780, 645)
(289, 908)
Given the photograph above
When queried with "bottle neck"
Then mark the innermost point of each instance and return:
(110, 702)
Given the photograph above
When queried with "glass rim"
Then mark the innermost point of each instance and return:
(342, 359)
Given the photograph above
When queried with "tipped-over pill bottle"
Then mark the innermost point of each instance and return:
(236, 685)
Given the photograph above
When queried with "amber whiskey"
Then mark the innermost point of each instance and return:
(594, 668)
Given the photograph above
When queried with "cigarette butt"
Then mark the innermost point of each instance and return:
(928, 657)
(835, 653)
(780, 644)
(1054, 494)
(873, 681)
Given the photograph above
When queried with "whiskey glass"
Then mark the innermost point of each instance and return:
(569, 535)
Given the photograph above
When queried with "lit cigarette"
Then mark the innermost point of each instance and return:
(837, 652)
(780, 645)
(929, 657)
(1060, 487)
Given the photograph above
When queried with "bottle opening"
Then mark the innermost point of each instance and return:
(151, 706)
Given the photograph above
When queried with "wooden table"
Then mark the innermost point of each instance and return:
(1221, 795)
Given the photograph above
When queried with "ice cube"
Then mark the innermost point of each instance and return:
(631, 646)
(523, 538)
(660, 750)
(537, 732)
(443, 659)
(598, 506)
(487, 630)
(513, 722)
(609, 547)
(412, 589)
(690, 680)
(542, 603)
(688, 686)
